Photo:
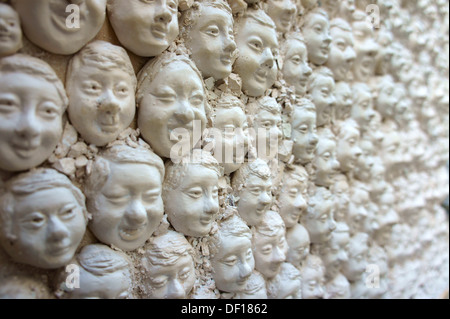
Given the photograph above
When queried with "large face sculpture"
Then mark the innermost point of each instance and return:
(253, 185)
(101, 86)
(44, 22)
(296, 70)
(287, 284)
(362, 110)
(209, 36)
(169, 102)
(32, 103)
(293, 196)
(269, 245)
(191, 194)
(169, 267)
(146, 28)
(10, 31)
(344, 101)
(43, 219)
(316, 31)
(313, 278)
(304, 131)
(319, 220)
(233, 261)
(321, 88)
(124, 196)
(342, 54)
(257, 42)
(299, 243)
(348, 150)
(282, 13)
(358, 249)
(336, 251)
(325, 161)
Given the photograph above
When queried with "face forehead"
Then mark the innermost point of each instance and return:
(232, 244)
(228, 116)
(197, 174)
(209, 14)
(338, 33)
(8, 12)
(317, 18)
(295, 47)
(254, 180)
(323, 82)
(302, 116)
(249, 27)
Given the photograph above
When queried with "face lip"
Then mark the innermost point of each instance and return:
(261, 76)
(60, 23)
(25, 150)
(132, 234)
(206, 220)
(226, 59)
(59, 250)
(159, 31)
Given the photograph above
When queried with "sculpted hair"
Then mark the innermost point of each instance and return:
(167, 249)
(342, 127)
(258, 168)
(320, 196)
(341, 24)
(313, 262)
(230, 227)
(101, 260)
(258, 16)
(313, 80)
(271, 225)
(309, 16)
(255, 283)
(291, 37)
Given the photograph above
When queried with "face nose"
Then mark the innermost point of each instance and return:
(268, 59)
(136, 213)
(27, 126)
(357, 151)
(245, 270)
(57, 230)
(332, 100)
(314, 139)
(175, 290)
(331, 224)
(265, 198)
(300, 203)
(335, 165)
(3, 25)
(342, 256)
(211, 206)
(327, 39)
(229, 46)
(163, 14)
(350, 55)
(184, 113)
(307, 71)
(278, 255)
(109, 103)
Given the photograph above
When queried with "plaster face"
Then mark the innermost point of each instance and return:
(44, 23)
(282, 13)
(283, 287)
(10, 31)
(313, 283)
(362, 111)
(30, 120)
(299, 244)
(255, 199)
(365, 162)
(344, 101)
(258, 50)
(49, 225)
(130, 207)
(233, 264)
(348, 150)
(270, 253)
(387, 100)
(342, 54)
(193, 205)
(255, 289)
(339, 288)
(171, 102)
(292, 200)
(341, 189)
(358, 211)
(146, 28)
(211, 42)
(322, 95)
(304, 135)
(320, 223)
(336, 253)
(318, 39)
(296, 70)
(354, 268)
(268, 131)
(326, 162)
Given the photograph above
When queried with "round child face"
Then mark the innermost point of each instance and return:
(171, 102)
(318, 39)
(102, 103)
(255, 199)
(152, 24)
(320, 223)
(45, 23)
(10, 31)
(270, 253)
(323, 98)
(30, 121)
(49, 225)
(282, 13)
(211, 42)
(298, 244)
(344, 102)
(256, 64)
(130, 207)
(326, 163)
(348, 149)
(304, 135)
(292, 201)
(342, 54)
(296, 70)
(193, 205)
(313, 283)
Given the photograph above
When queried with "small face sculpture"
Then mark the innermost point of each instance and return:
(296, 70)
(338, 288)
(287, 284)
(267, 124)
(357, 257)
(31, 110)
(317, 36)
(336, 252)
(10, 31)
(146, 28)
(344, 101)
(313, 279)
(387, 99)
(304, 133)
(325, 162)
(101, 94)
(192, 206)
(255, 289)
(348, 150)
(211, 42)
(358, 210)
(45, 23)
(342, 54)
(293, 197)
(366, 51)
(341, 190)
(258, 49)
(365, 162)
(298, 242)
(282, 13)
(362, 110)
(170, 102)
(321, 89)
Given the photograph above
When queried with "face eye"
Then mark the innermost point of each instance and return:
(118, 199)
(215, 192)
(166, 97)
(122, 90)
(230, 261)
(326, 156)
(68, 213)
(197, 100)
(49, 111)
(296, 59)
(249, 254)
(184, 274)
(92, 87)
(212, 30)
(35, 221)
(151, 196)
(7, 105)
(257, 45)
(195, 192)
(173, 6)
(159, 282)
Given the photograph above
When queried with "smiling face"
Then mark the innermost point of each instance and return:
(304, 135)
(270, 253)
(325, 162)
(322, 95)
(298, 242)
(282, 13)
(146, 28)
(318, 39)
(192, 206)
(342, 54)
(348, 150)
(336, 253)
(296, 70)
(258, 49)
(293, 200)
(10, 31)
(344, 101)
(44, 23)
(129, 207)
(171, 102)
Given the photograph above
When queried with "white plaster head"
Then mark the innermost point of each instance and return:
(45, 23)
(342, 55)
(387, 218)
(334, 254)
(42, 217)
(363, 109)
(338, 288)
(325, 162)
(232, 256)
(316, 30)
(104, 274)
(169, 103)
(191, 193)
(319, 220)
(384, 58)
(321, 87)
(287, 284)
(358, 249)
(378, 183)
(10, 31)
(123, 195)
(252, 183)
(282, 12)
(230, 120)
(365, 162)
(257, 42)
(23, 287)
(255, 288)
(146, 28)
(269, 245)
(169, 267)
(304, 131)
(293, 197)
(298, 241)
(386, 99)
(207, 28)
(348, 150)
(295, 69)
(341, 190)
(32, 104)
(313, 278)
(358, 210)
(391, 150)
(101, 86)
(344, 101)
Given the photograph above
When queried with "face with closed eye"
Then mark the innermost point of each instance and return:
(129, 207)
(318, 39)
(292, 200)
(255, 199)
(270, 253)
(304, 135)
(282, 13)
(10, 31)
